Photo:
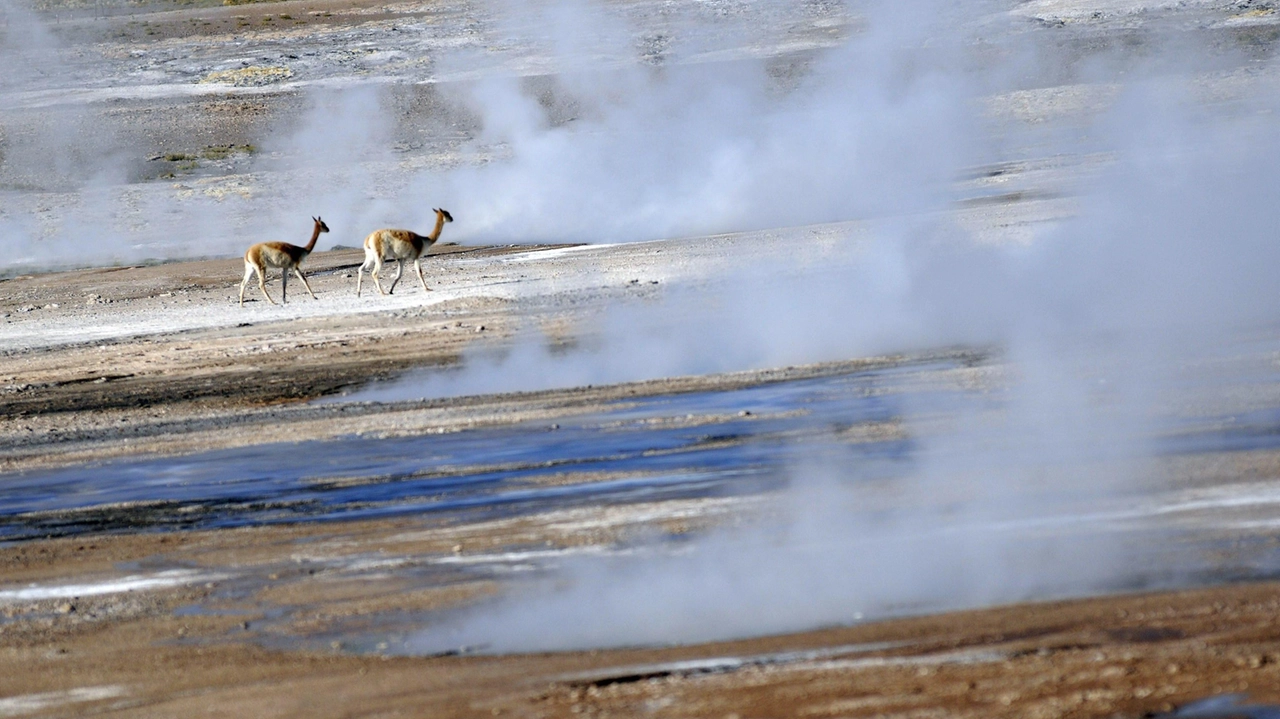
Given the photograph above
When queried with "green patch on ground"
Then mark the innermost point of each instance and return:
(251, 76)
(186, 162)
(222, 152)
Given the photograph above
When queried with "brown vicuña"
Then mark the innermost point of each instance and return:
(402, 245)
(283, 256)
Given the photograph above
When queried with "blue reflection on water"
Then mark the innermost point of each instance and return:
(695, 444)
(683, 445)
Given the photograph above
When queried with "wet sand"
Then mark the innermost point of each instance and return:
(138, 654)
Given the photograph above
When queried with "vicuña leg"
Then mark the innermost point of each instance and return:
(376, 274)
(306, 284)
(262, 283)
(248, 272)
(284, 286)
(399, 271)
(360, 275)
(417, 265)
(376, 260)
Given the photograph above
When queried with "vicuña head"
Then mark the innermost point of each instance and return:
(400, 245)
(282, 255)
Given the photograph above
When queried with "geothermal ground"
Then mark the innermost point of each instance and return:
(700, 470)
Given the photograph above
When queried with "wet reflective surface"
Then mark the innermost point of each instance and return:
(1229, 706)
(696, 444)
(704, 444)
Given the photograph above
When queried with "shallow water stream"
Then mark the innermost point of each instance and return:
(650, 448)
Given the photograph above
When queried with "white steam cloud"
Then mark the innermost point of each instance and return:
(694, 148)
(1170, 256)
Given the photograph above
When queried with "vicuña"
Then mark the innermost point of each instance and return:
(401, 245)
(283, 256)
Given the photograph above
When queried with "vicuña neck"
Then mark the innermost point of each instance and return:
(315, 235)
(435, 234)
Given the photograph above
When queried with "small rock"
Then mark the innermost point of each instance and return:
(479, 328)
(66, 608)
(51, 306)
